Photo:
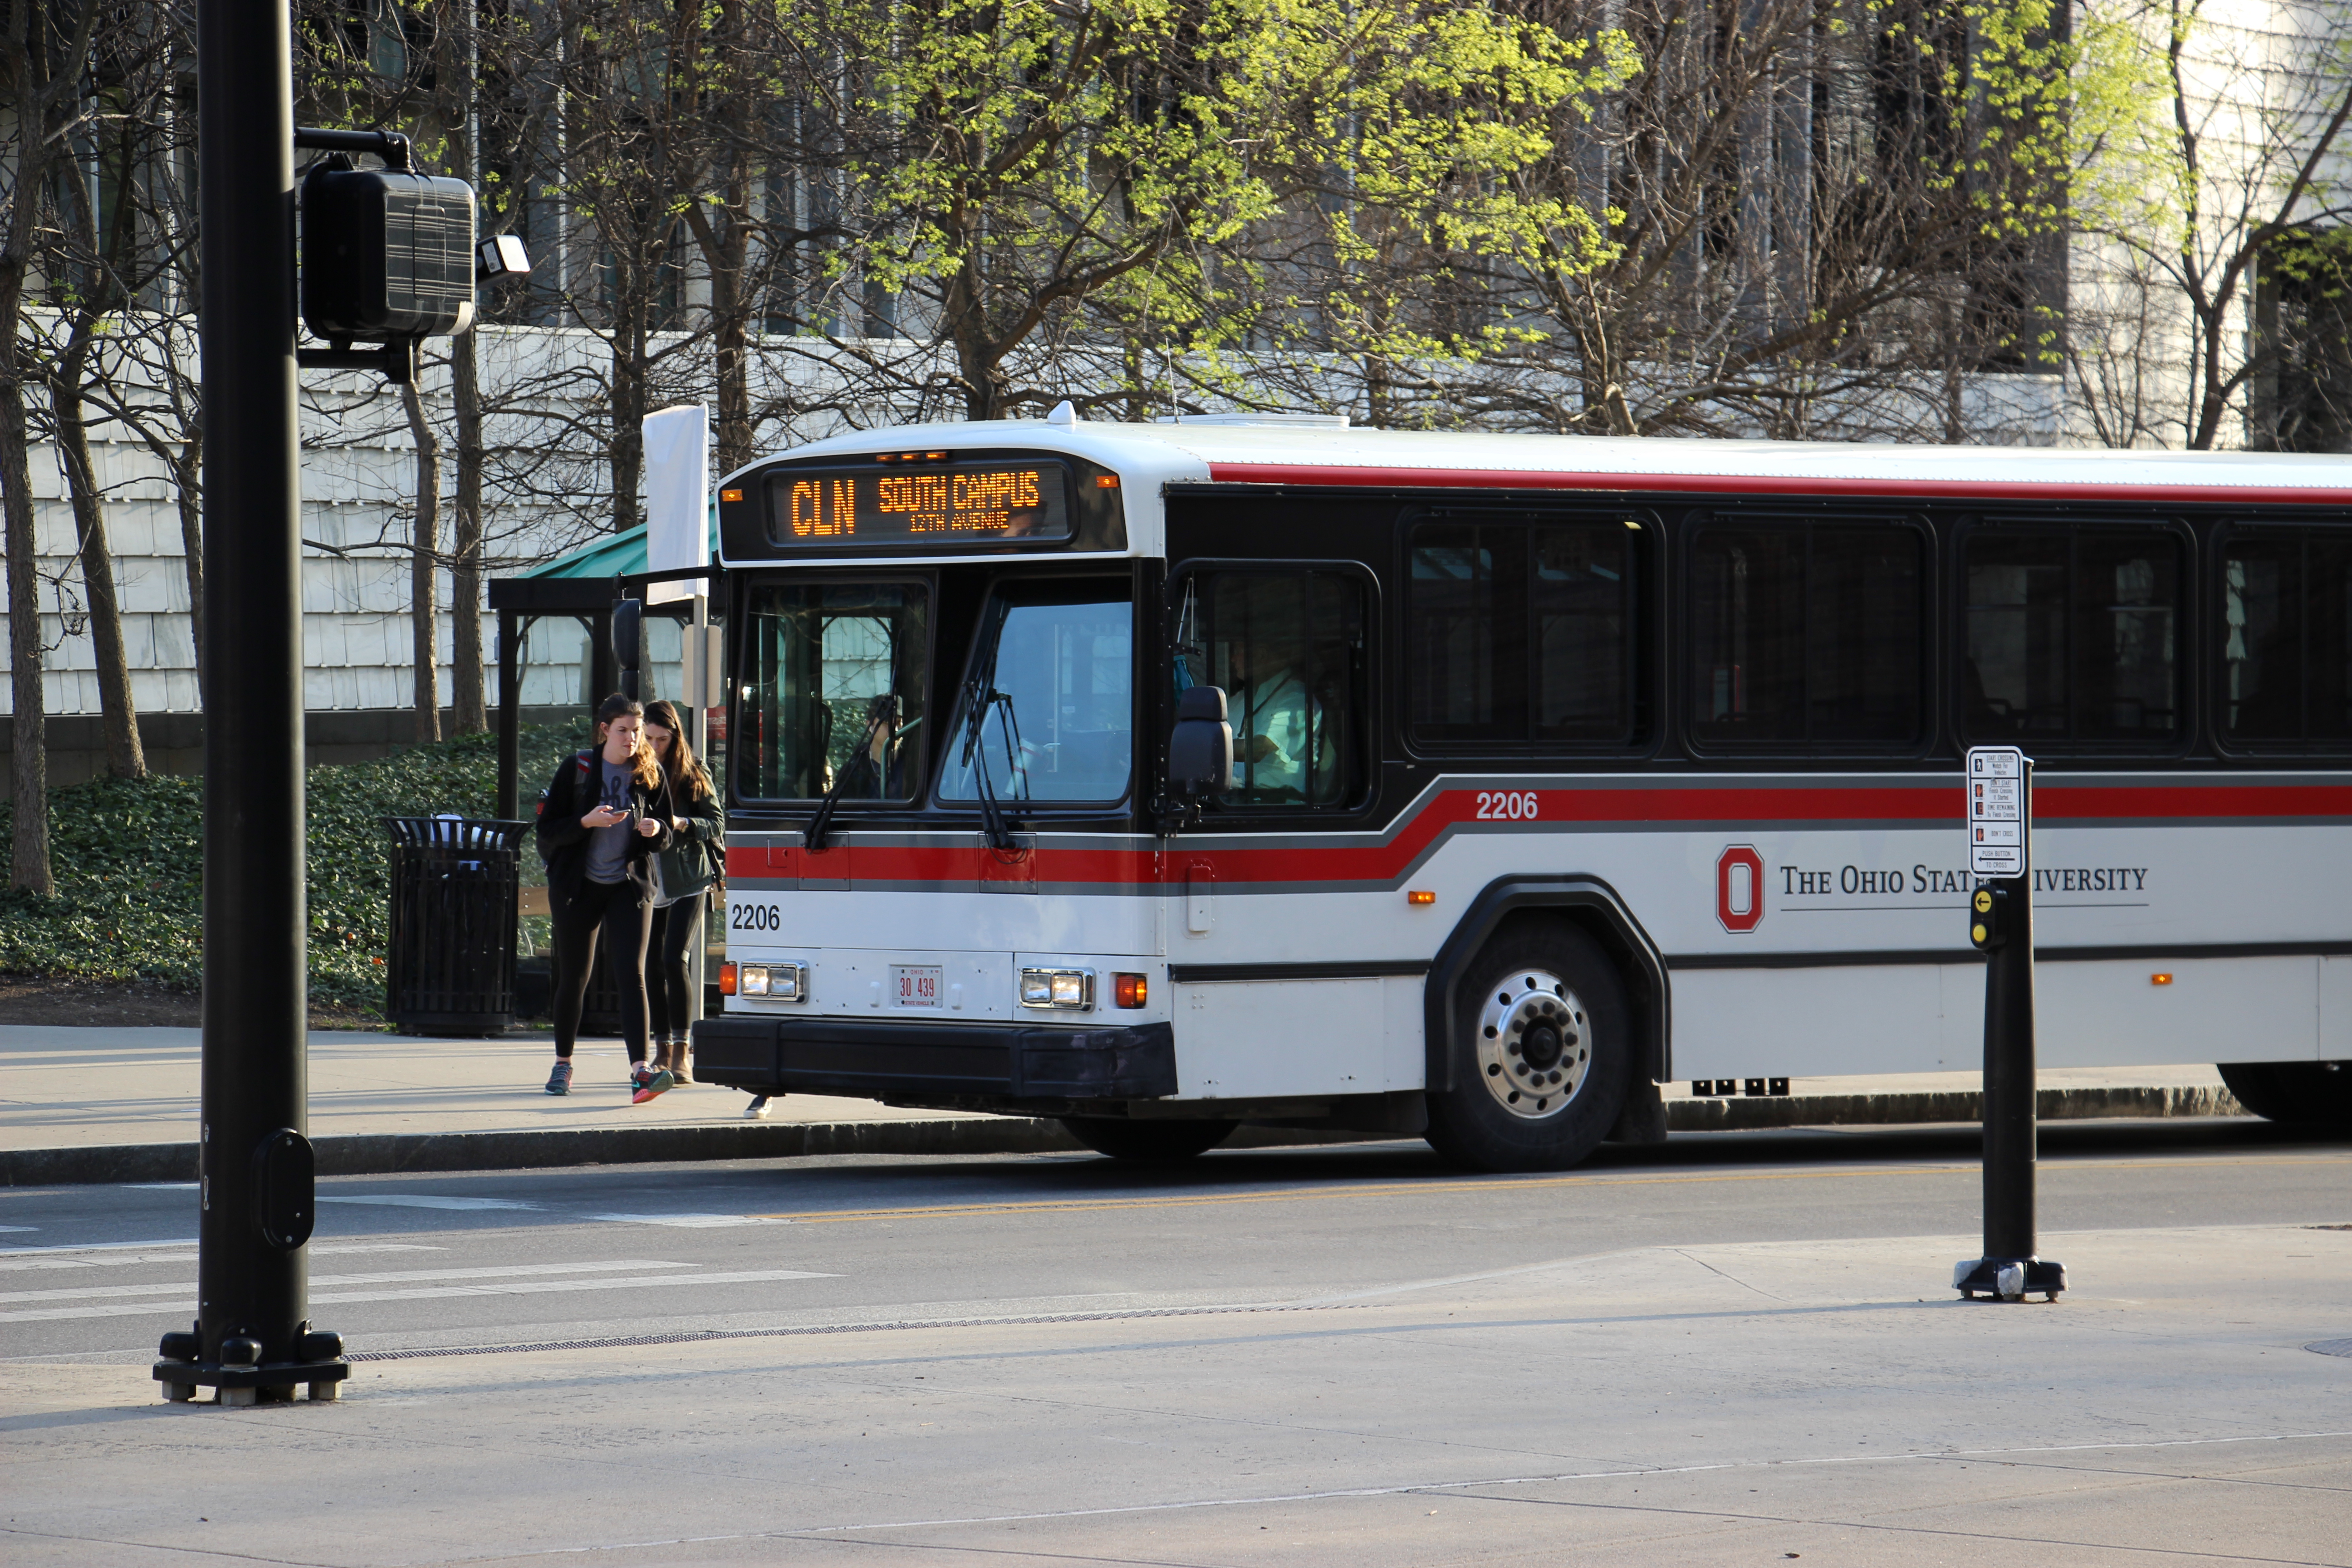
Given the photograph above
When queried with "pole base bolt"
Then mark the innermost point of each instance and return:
(2008, 1279)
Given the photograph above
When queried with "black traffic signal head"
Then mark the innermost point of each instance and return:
(385, 254)
(1987, 909)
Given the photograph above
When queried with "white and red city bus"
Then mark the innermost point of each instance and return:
(1561, 768)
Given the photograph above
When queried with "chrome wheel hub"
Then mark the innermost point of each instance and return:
(1534, 1047)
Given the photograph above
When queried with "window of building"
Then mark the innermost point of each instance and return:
(2072, 636)
(2286, 636)
(1810, 633)
(1520, 633)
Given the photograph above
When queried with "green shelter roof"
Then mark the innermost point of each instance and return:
(621, 554)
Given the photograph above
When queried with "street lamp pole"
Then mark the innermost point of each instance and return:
(252, 1339)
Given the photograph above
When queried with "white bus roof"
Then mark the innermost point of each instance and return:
(1298, 453)
(1318, 454)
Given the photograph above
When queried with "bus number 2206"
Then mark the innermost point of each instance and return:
(1506, 805)
(748, 916)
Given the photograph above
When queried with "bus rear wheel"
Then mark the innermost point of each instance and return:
(1542, 1052)
(2299, 1094)
(1148, 1142)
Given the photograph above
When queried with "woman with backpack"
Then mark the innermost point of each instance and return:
(701, 858)
(602, 819)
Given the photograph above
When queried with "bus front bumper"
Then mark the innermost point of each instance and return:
(916, 1062)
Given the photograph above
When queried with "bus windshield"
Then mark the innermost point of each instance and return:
(1049, 707)
(833, 690)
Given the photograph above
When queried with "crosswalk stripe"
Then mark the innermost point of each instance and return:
(507, 1288)
(134, 1259)
(96, 1292)
(423, 1201)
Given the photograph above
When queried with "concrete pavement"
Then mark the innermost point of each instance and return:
(1332, 1356)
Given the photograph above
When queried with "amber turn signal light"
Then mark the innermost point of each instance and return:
(727, 980)
(1418, 898)
(2160, 980)
(1130, 990)
(731, 495)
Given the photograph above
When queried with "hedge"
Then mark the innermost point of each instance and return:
(128, 856)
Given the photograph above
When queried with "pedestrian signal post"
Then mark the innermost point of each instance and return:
(2000, 926)
(388, 256)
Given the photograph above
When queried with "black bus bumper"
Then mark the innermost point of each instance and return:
(936, 1063)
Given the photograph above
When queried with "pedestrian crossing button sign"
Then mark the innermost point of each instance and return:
(1998, 811)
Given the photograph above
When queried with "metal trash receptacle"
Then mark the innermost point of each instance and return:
(451, 970)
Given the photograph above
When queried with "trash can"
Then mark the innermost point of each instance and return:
(451, 970)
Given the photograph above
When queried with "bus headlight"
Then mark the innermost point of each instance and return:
(1072, 990)
(776, 982)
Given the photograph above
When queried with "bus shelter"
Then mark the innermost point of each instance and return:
(580, 587)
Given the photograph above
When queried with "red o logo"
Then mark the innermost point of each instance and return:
(1739, 888)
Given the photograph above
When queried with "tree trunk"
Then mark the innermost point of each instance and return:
(628, 423)
(734, 366)
(187, 483)
(31, 81)
(470, 717)
(29, 858)
(424, 545)
(29, 774)
(118, 711)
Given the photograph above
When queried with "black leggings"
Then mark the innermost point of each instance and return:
(669, 982)
(618, 910)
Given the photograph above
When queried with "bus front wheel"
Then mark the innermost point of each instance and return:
(1542, 1052)
(1153, 1143)
(2300, 1094)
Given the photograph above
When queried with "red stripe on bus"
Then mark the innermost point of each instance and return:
(1737, 484)
(1736, 809)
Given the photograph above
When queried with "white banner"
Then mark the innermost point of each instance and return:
(677, 497)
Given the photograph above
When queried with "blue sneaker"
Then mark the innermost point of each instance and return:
(650, 1082)
(560, 1080)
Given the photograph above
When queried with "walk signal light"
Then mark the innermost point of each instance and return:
(386, 254)
(1988, 923)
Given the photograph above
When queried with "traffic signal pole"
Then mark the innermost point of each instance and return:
(252, 1340)
(2000, 926)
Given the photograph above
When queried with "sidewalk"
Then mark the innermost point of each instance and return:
(119, 1104)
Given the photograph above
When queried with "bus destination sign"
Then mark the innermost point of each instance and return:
(940, 506)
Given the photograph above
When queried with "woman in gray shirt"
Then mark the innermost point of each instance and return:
(601, 820)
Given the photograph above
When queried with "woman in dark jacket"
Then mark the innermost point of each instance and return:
(696, 819)
(602, 819)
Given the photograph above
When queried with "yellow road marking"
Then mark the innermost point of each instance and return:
(1306, 1195)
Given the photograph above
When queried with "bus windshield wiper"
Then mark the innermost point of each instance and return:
(980, 696)
(882, 710)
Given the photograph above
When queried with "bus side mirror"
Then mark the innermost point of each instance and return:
(1201, 749)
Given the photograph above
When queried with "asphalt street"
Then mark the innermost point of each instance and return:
(1735, 1348)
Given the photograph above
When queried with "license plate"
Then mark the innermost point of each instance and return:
(915, 985)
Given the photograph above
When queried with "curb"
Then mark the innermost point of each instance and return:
(1738, 1115)
(394, 1153)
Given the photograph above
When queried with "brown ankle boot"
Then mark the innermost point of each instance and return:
(678, 1062)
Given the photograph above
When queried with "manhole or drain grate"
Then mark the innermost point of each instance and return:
(2331, 1347)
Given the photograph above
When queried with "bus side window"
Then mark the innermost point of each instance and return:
(2286, 636)
(2073, 635)
(1521, 632)
(1288, 649)
(1807, 632)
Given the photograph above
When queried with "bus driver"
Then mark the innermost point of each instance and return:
(1280, 749)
